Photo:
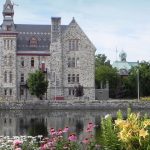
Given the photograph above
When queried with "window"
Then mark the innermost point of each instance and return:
(32, 62)
(77, 78)
(5, 76)
(73, 45)
(10, 60)
(10, 77)
(10, 92)
(73, 78)
(22, 62)
(5, 44)
(22, 77)
(5, 60)
(69, 62)
(8, 28)
(69, 78)
(33, 42)
(21, 91)
(77, 62)
(73, 62)
(5, 91)
(71, 91)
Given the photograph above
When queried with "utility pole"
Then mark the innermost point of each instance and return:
(138, 83)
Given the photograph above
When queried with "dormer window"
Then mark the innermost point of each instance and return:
(33, 42)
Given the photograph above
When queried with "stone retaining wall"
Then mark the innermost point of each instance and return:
(76, 105)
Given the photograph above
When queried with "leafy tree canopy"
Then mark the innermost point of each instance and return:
(37, 84)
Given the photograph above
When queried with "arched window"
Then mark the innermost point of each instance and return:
(5, 76)
(33, 42)
(32, 62)
(10, 77)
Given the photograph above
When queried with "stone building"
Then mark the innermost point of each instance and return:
(63, 52)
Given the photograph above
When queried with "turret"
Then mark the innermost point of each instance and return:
(8, 13)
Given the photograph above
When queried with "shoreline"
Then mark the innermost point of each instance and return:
(75, 105)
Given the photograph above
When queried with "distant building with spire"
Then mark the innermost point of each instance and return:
(63, 52)
(123, 66)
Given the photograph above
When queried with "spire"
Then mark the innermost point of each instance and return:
(73, 20)
(8, 9)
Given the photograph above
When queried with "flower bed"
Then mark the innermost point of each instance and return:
(132, 133)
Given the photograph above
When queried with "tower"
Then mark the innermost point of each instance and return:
(8, 37)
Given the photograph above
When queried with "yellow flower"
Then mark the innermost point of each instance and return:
(120, 123)
(146, 123)
(143, 133)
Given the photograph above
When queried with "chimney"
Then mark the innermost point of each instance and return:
(55, 28)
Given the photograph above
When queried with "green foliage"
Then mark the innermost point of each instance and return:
(37, 84)
(79, 91)
(109, 135)
(130, 83)
(101, 59)
(105, 72)
(119, 115)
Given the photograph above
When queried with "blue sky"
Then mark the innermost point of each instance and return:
(109, 24)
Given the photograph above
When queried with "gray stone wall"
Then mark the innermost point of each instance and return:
(86, 54)
(8, 66)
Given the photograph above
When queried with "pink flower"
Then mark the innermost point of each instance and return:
(90, 127)
(85, 141)
(60, 132)
(17, 142)
(18, 148)
(52, 131)
(72, 137)
(66, 129)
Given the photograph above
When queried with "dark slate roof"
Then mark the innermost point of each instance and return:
(41, 32)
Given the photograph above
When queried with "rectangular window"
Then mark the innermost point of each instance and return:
(77, 78)
(69, 62)
(10, 92)
(21, 91)
(22, 77)
(69, 78)
(69, 90)
(73, 78)
(5, 91)
(73, 62)
(22, 62)
(5, 76)
(10, 77)
(73, 45)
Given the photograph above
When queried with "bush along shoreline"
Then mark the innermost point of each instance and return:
(130, 133)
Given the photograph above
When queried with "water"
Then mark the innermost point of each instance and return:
(39, 122)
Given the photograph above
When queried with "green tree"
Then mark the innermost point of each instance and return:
(79, 91)
(37, 84)
(101, 59)
(144, 80)
(105, 72)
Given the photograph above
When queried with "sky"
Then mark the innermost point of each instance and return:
(112, 25)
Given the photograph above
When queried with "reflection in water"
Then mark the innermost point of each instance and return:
(39, 122)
